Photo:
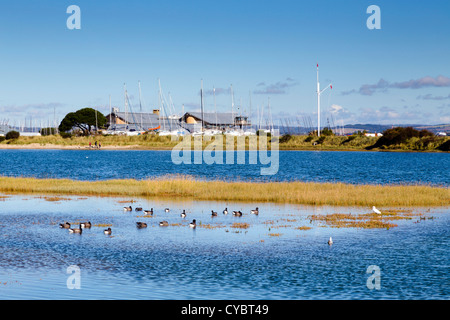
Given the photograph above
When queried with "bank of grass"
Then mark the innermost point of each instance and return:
(335, 194)
(294, 142)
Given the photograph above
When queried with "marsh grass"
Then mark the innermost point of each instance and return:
(365, 221)
(185, 187)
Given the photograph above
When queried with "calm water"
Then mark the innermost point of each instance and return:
(218, 262)
(349, 167)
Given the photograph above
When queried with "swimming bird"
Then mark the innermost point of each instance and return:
(141, 225)
(330, 241)
(256, 211)
(76, 230)
(193, 224)
(127, 208)
(64, 225)
(148, 212)
(166, 209)
(225, 211)
(237, 213)
(183, 214)
(213, 213)
(164, 224)
(138, 209)
(107, 231)
(85, 225)
(376, 210)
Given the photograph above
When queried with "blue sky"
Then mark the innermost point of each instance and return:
(399, 74)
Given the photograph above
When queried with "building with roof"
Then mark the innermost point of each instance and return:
(132, 121)
(215, 120)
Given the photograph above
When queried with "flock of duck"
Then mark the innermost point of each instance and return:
(140, 225)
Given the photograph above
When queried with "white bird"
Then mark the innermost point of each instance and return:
(330, 241)
(376, 210)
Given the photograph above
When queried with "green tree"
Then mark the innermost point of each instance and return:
(84, 119)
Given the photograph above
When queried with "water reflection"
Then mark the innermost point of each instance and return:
(271, 259)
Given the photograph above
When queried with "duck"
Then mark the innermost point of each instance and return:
(107, 231)
(148, 212)
(166, 209)
(183, 214)
(193, 224)
(141, 225)
(213, 213)
(76, 230)
(85, 225)
(225, 211)
(237, 213)
(256, 211)
(64, 225)
(330, 241)
(127, 208)
(138, 209)
(164, 224)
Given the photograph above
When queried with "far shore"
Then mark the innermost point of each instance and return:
(156, 142)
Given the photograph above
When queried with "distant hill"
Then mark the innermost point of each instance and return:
(350, 128)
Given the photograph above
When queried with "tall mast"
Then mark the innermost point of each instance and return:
(318, 100)
(140, 103)
(232, 105)
(110, 111)
(201, 102)
(126, 106)
(215, 107)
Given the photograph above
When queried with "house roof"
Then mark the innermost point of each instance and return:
(221, 118)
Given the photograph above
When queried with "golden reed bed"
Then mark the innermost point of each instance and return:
(336, 194)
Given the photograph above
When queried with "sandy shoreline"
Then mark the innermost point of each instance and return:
(64, 147)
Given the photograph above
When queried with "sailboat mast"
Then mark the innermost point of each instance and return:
(318, 102)
(201, 102)
(215, 107)
(140, 102)
(232, 105)
(126, 106)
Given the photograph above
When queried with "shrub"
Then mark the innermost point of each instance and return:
(2, 138)
(12, 135)
(445, 146)
(285, 138)
(399, 135)
(321, 139)
(308, 139)
(326, 132)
